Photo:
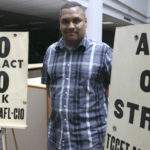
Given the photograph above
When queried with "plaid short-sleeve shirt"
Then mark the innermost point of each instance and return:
(78, 79)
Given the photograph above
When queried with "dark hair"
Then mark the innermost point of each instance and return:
(70, 4)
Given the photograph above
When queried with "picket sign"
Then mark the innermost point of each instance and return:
(13, 81)
(128, 126)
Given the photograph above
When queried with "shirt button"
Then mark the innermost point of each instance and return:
(68, 65)
(65, 119)
(66, 92)
(67, 78)
(64, 106)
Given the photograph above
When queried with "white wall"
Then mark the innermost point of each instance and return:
(148, 20)
(149, 8)
(94, 17)
(140, 6)
(135, 10)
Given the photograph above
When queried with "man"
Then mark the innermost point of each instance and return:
(77, 72)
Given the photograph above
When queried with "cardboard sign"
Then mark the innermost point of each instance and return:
(13, 79)
(128, 126)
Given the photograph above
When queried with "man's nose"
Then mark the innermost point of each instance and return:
(71, 25)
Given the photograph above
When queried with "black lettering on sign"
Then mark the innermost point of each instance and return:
(117, 144)
(20, 63)
(4, 81)
(4, 43)
(114, 143)
(19, 113)
(5, 64)
(145, 116)
(132, 107)
(118, 105)
(108, 137)
(1, 112)
(144, 87)
(12, 63)
(143, 45)
(5, 113)
(143, 112)
(135, 148)
(4, 99)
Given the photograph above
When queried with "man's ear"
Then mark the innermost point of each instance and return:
(86, 21)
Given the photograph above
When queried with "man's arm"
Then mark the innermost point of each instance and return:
(48, 101)
(107, 66)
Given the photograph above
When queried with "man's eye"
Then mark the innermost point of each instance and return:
(64, 21)
(76, 20)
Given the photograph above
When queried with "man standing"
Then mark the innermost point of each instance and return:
(76, 70)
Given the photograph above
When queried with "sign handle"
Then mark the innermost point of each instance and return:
(4, 141)
(13, 132)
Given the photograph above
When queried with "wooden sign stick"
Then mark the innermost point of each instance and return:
(15, 139)
(4, 141)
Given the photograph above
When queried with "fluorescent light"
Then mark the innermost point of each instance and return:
(107, 22)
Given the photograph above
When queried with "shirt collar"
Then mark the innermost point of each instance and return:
(82, 45)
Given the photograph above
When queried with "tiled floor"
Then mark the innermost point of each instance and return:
(1, 147)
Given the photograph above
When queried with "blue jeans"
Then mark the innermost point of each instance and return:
(51, 146)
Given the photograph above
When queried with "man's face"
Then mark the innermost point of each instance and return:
(72, 25)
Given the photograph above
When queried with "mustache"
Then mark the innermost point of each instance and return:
(71, 32)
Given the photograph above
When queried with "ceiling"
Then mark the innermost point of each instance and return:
(29, 14)
(39, 8)
(37, 14)
(116, 23)
(17, 21)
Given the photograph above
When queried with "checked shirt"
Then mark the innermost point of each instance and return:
(77, 80)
